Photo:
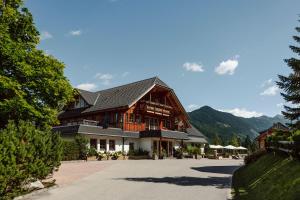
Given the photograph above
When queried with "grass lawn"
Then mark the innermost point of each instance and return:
(269, 178)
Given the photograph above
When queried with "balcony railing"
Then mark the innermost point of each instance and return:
(155, 108)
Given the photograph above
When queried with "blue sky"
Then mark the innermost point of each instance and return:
(225, 54)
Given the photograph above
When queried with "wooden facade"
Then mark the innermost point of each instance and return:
(158, 109)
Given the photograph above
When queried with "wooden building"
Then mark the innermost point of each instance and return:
(146, 114)
(261, 139)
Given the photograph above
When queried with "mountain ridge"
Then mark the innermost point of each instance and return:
(211, 121)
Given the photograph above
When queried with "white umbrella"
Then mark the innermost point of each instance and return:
(230, 147)
(241, 148)
(216, 146)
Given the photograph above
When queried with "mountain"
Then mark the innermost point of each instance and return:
(210, 121)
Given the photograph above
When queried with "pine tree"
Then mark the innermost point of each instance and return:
(216, 140)
(291, 86)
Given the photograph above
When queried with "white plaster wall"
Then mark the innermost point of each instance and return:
(118, 142)
(146, 144)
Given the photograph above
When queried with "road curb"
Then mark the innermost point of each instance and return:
(27, 196)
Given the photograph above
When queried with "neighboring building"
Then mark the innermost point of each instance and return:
(145, 114)
(196, 138)
(261, 139)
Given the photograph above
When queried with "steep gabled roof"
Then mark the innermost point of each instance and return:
(276, 126)
(89, 97)
(124, 95)
(117, 97)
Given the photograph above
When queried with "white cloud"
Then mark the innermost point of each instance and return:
(242, 112)
(227, 67)
(193, 67)
(192, 107)
(267, 83)
(270, 91)
(125, 74)
(87, 86)
(75, 32)
(45, 35)
(105, 78)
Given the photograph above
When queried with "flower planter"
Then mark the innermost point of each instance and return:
(91, 158)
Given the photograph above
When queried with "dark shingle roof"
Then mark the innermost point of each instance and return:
(117, 97)
(192, 131)
(89, 97)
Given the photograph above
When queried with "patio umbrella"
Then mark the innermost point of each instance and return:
(216, 146)
(230, 147)
(241, 148)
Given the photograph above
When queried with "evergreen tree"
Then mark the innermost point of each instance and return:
(234, 141)
(247, 143)
(217, 140)
(32, 84)
(291, 86)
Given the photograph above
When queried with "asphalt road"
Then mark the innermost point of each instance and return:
(186, 179)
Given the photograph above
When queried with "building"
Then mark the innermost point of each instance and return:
(261, 139)
(143, 115)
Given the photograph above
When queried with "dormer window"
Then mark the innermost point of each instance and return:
(80, 103)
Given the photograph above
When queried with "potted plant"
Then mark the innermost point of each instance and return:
(100, 156)
(92, 154)
(115, 155)
(107, 155)
(154, 155)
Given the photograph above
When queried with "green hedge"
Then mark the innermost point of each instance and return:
(75, 149)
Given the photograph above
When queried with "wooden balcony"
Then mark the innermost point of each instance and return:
(155, 108)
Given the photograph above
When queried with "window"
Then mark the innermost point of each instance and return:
(131, 118)
(166, 124)
(93, 143)
(112, 145)
(79, 103)
(102, 145)
(131, 146)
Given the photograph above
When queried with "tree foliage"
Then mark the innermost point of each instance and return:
(291, 85)
(217, 140)
(27, 154)
(234, 141)
(32, 84)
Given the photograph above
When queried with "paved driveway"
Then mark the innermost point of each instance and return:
(147, 179)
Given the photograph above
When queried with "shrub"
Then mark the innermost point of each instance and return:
(100, 156)
(27, 153)
(296, 139)
(178, 153)
(116, 155)
(253, 157)
(70, 150)
(138, 152)
(82, 141)
(92, 152)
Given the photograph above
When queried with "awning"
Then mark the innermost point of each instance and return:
(196, 140)
(230, 147)
(165, 134)
(94, 130)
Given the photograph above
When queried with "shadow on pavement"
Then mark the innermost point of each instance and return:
(219, 182)
(217, 169)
